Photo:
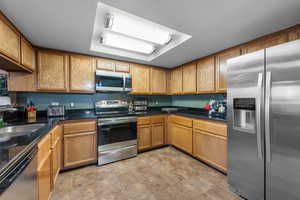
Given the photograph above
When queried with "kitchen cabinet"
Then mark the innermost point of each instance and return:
(211, 148)
(52, 71)
(206, 75)
(158, 80)
(22, 82)
(189, 78)
(210, 143)
(56, 147)
(121, 66)
(27, 54)
(82, 73)
(176, 81)
(182, 137)
(294, 34)
(221, 68)
(44, 182)
(140, 79)
(112, 65)
(74, 141)
(264, 42)
(9, 40)
(144, 137)
(151, 132)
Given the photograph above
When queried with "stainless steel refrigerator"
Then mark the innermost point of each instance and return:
(264, 123)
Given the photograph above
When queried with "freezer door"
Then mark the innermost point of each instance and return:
(283, 121)
(245, 96)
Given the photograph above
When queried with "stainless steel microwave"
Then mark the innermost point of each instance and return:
(112, 81)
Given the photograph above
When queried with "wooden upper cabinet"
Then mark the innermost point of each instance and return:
(264, 42)
(294, 34)
(82, 73)
(158, 81)
(22, 81)
(9, 40)
(112, 65)
(189, 78)
(206, 75)
(176, 81)
(27, 54)
(221, 68)
(140, 79)
(52, 70)
(122, 66)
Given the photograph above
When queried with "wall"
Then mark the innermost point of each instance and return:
(84, 101)
(195, 100)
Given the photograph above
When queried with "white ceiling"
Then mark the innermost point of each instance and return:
(213, 24)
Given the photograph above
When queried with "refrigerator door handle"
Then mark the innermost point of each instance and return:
(267, 117)
(258, 115)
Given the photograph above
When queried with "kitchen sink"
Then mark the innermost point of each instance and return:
(14, 131)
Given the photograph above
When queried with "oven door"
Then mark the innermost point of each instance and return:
(109, 81)
(116, 133)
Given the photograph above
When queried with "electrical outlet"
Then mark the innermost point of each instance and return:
(72, 104)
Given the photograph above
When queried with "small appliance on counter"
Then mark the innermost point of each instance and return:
(56, 110)
(216, 108)
(140, 105)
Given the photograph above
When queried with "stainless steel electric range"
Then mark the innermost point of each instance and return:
(117, 131)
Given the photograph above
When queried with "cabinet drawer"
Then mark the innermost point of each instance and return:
(184, 121)
(44, 148)
(143, 121)
(218, 128)
(78, 127)
(157, 119)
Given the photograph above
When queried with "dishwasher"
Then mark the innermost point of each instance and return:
(18, 180)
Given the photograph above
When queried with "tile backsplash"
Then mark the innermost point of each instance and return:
(86, 101)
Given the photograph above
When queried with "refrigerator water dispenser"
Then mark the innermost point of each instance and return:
(244, 114)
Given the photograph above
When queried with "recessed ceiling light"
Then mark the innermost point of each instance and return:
(126, 43)
(136, 28)
(127, 35)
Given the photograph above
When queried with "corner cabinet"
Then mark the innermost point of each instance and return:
(206, 75)
(158, 81)
(82, 74)
(27, 54)
(221, 68)
(52, 72)
(140, 79)
(189, 78)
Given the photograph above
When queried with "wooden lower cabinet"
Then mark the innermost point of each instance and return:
(44, 178)
(144, 137)
(182, 137)
(157, 131)
(210, 148)
(80, 149)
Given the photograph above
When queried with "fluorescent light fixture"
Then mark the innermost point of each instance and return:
(123, 42)
(136, 28)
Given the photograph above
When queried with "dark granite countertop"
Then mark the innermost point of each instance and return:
(12, 149)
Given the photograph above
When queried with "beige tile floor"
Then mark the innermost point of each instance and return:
(163, 174)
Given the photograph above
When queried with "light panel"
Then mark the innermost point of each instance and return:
(136, 28)
(126, 43)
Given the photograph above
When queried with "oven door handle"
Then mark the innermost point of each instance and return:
(115, 122)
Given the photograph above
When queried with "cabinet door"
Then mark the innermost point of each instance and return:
(206, 75)
(294, 34)
(22, 81)
(9, 40)
(221, 68)
(79, 149)
(105, 64)
(82, 73)
(140, 79)
(189, 78)
(211, 149)
(176, 81)
(265, 42)
(182, 138)
(158, 135)
(27, 54)
(44, 179)
(52, 71)
(122, 66)
(144, 137)
(55, 161)
(158, 81)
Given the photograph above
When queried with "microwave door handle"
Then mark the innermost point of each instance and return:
(258, 115)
